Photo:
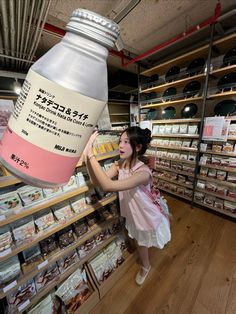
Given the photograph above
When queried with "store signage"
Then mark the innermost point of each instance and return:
(216, 129)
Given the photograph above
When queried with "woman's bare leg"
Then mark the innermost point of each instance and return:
(144, 256)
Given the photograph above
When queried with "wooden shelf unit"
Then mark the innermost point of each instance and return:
(169, 103)
(175, 121)
(175, 182)
(219, 182)
(187, 149)
(222, 71)
(222, 211)
(175, 171)
(227, 198)
(176, 194)
(230, 169)
(177, 135)
(221, 95)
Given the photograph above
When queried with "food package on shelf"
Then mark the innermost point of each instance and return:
(219, 203)
(230, 206)
(203, 171)
(209, 200)
(210, 186)
(45, 306)
(114, 255)
(23, 229)
(205, 159)
(86, 247)
(101, 267)
(192, 157)
(122, 242)
(188, 193)
(74, 291)
(66, 261)
(50, 192)
(162, 129)
(180, 190)
(175, 129)
(9, 270)
(212, 173)
(92, 221)
(183, 129)
(49, 246)
(44, 219)
(6, 239)
(78, 203)
(231, 177)
(199, 196)
(192, 129)
(19, 298)
(30, 195)
(194, 144)
(32, 257)
(71, 185)
(232, 162)
(228, 147)
(216, 160)
(10, 203)
(221, 175)
(101, 236)
(80, 227)
(232, 130)
(104, 213)
(46, 276)
(222, 190)
(115, 226)
(155, 130)
(65, 237)
(201, 184)
(168, 129)
(91, 197)
(232, 194)
(216, 147)
(80, 179)
(63, 211)
(186, 143)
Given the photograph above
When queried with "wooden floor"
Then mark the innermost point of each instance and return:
(195, 273)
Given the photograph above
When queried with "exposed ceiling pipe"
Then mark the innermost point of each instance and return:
(4, 15)
(22, 31)
(190, 31)
(12, 27)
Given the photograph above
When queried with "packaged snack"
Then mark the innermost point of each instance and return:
(183, 156)
(66, 261)
(221, 190)
(216, 147)
(92, 221)
(219, 204)
(78, 203)
(232, 130)
(192, 129)
(10, 203)
(45, 306)
(62, 211)
(114, 255)
(209, 200)
(168, 129)
(74, 291)
(188, 193)
(199, 196)
(210, 186)
(155, 129)
(230, 206)
(186, 143)
(44, 219)
(225, 162)
(101, 236)
(101, 267)
(215, 160)
(194, 144)
(191, 157)
(80, 227)
(221, 175)
(212, 173)
(80, 179)
(205, 159)
(9, 270)
(65, 237)
(46, 276)
(183, 129)
(228, 147)
(180, 190)
(122, 242)
(232, 194)
(23, 229)
(91, 197)
(30, 195)
(21, 295)
(6, 239)
(232, 162)
(86, 247)
(48, 246)
(71, 185)
(181, 178)
(162, 129)
(50, 192)
(203, 172)
(231, 177)
(175, 129)
(32, 257)
(178, 143)
(201, 184)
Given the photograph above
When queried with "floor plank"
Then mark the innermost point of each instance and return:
(194, 273)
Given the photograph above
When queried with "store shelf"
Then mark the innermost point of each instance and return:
(121, 122)
(221, 95)
(177, 160)
(45, 204)
(8, 180)
(100, 157)
(224, 44)
(45, 234)
(188, 149)
(119, 114)
(225, 183)
(222, 211)
(230, 169)
(46, 290)
(175, 171)
(178, 135)
(231, 199)
(218, 73)
(51, 260)
(176, 194)
(175, 182)
(230, 154)
(174, 121)
(169, 103)
(177, 83)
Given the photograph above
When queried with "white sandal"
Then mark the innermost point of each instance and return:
(139, 278)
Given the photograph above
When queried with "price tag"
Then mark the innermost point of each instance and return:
(23, 305)
(2, 217)
(10, 286)
(5, 252)
(44, 263)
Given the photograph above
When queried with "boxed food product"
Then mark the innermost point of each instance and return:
(9, 270)
(65, 237)
(183, 128)
(10, 203)
(192, 129)
(23, 229)
(71, 185)
(86, 247)
(191, 157)
(217, 147)
(80, 179)
(114, 255)
(32, 257)
(101, 236)
(168, 129)
(180, 190)
(122, 242)
(228, 147)
(45, 306)
(212, 173)
(232, 194)
(188, 193)
(6, 239)
(186, 143)
(199, 196)
(46, 276)
(74, 291)
(92, 221)
(221, 175)
(194, 144)
(175, 129)
(155, 129)
(66, 261)
(230, 206)
(101, 267)
(50, 192)
(80, 227)
(203, 172)
(232, 129)
(78, 203)
(231, 177)
(49, 246)
(219, 204)
(44, 219)
(201, 184)
(30, 195)
(210, 186)
(63, 211)
(222, 190)
(215, 160)
(209, 200)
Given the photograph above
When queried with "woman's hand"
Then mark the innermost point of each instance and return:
(88, 151)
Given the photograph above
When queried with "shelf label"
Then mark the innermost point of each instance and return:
(44, 263)
(23, 305)
(5, 252)
(2, 217)
(10, 286)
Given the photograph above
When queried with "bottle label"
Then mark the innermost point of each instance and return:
(50, 124)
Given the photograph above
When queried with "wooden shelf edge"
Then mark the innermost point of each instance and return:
(175, 171)
(230, 199)
(177, 160)
(211, 152)
(177, 135)
(61, 226)
(218, 167)
(176, 182)
(188, 149)
(167, 103)
(173, 121)
(176, 194)
(228, 184)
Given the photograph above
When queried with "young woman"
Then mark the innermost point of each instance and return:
(144, 223)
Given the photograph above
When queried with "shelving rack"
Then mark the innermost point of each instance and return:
(207, 94)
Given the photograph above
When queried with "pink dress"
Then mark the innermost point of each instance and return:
(143, 220)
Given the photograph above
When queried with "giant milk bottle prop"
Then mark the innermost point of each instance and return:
(61, 100)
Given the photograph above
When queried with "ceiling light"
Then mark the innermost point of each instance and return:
(17, 87)
(186, 109)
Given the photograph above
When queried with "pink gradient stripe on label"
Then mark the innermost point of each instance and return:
(43, 165)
